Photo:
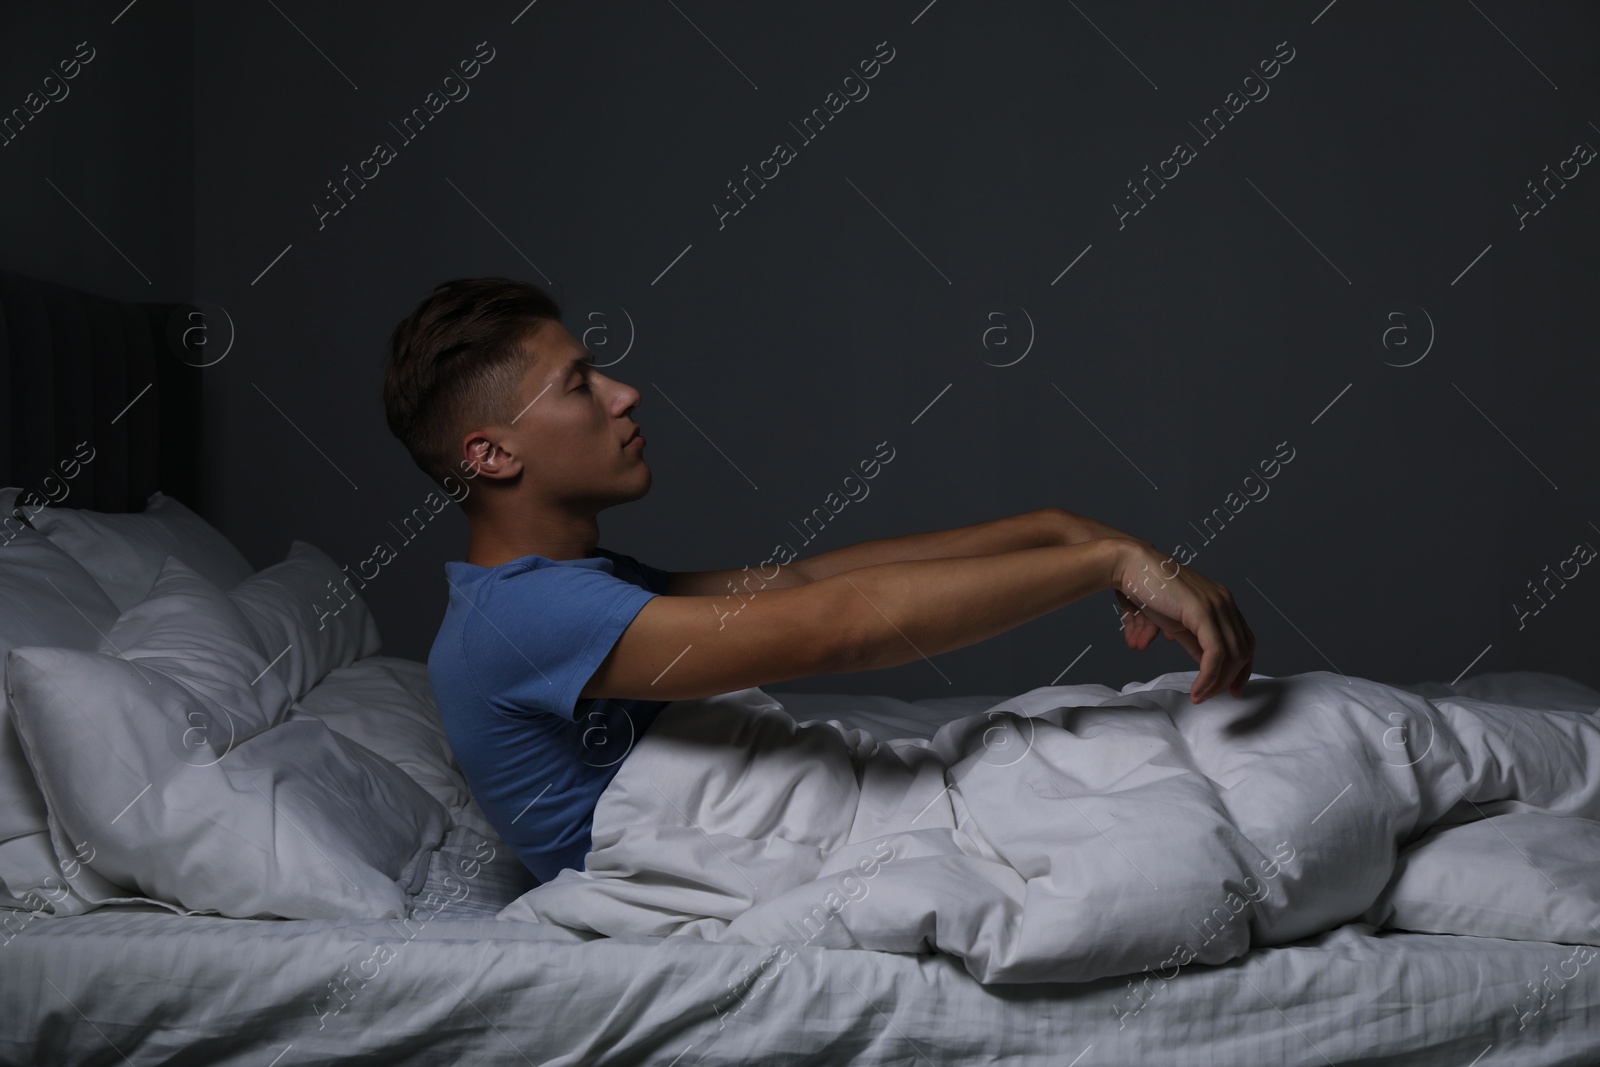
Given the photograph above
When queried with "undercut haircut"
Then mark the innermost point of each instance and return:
(455, 364)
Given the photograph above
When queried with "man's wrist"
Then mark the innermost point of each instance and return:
(1074, 529)
(1116, 554)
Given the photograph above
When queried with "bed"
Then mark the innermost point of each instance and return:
(97, 969)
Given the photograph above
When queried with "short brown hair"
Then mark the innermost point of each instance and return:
(455, 363)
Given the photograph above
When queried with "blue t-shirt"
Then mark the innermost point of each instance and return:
(517, 643)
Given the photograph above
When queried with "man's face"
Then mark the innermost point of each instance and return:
(571, 425)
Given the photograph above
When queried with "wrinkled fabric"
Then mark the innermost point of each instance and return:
(1067, 834)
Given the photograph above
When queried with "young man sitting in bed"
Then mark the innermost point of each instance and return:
(555, 654)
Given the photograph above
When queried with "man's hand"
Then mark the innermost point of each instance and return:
(1189, 608)
(1138, 629)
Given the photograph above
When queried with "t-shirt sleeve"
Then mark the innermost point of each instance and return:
(539, 635)
(654, 578)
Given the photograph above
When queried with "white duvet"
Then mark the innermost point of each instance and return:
(1067, 834)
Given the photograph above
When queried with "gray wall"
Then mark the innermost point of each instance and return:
(97, 187)
(1332, 231)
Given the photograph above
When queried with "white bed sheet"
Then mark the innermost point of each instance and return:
(201, 989)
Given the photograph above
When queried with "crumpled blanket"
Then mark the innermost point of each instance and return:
(1066, 834)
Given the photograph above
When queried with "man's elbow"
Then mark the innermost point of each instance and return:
(796, 574)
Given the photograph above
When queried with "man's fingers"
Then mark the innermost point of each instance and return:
(1230, 680)
(1139, 636)
(1199, 688)
(1240, 651)
(1218, 663)
(1135, 625)
(1244, 676)
(1190, 643)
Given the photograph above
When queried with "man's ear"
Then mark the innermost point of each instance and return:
(486, 458)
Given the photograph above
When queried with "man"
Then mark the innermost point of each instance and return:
(555, 654)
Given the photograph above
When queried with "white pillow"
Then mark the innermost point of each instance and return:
(1521, 876)
(178, 797)
(298, 609)
(46, 598)
(194, 632)
(125, 551)
(386, 704)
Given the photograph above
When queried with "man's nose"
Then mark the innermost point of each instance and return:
(627, 395)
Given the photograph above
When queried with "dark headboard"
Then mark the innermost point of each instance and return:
(75, 368)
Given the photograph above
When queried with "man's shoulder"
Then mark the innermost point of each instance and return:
(472, 589)
(635, 571)
(524, 636)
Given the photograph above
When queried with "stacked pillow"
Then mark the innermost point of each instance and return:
(46, 598)
(174, 763)
(386, 704)
(305, 625)
(124, 552)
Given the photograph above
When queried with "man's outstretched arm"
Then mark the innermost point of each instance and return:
(1042, 528)
(886, 614)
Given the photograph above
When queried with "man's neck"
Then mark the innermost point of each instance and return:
(491, 543)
